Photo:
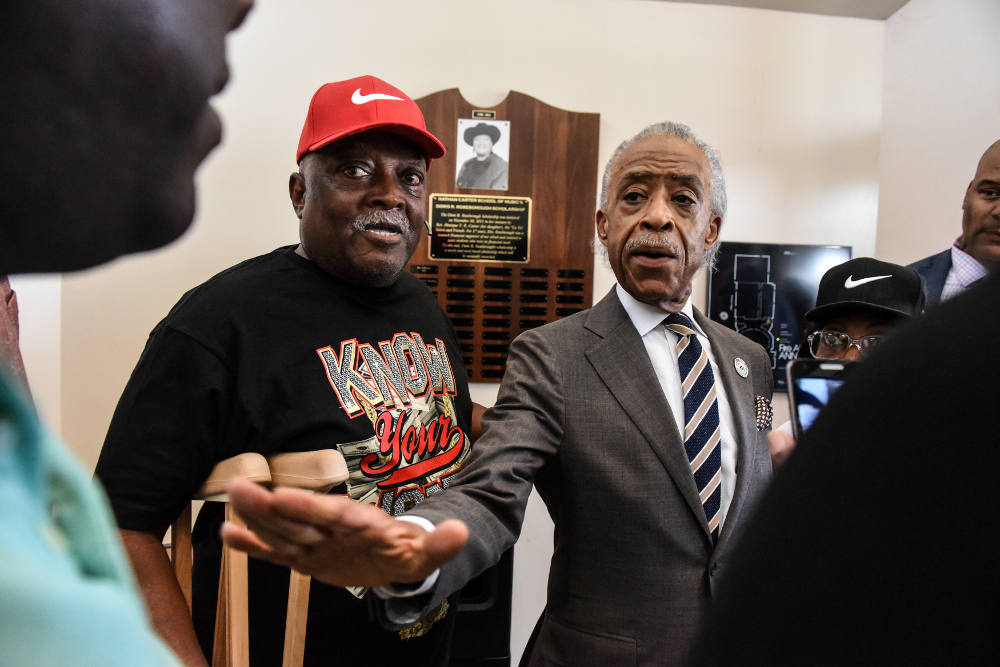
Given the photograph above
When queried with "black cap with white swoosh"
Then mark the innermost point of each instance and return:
(864, 283)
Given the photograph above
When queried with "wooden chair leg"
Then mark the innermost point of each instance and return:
(238, 635)
(220, 645)
(232, 635)
(316, 471)
(180, 552)
(295, 619)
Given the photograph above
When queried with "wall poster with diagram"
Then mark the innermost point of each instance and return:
(763, 290)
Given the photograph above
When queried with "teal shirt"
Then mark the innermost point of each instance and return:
(67, 594)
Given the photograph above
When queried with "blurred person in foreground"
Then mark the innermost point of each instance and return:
(108, 119)
(873, 545)
(858, 304)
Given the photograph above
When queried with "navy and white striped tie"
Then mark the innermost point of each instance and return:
(702, 432)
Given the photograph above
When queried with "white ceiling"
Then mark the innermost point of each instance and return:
(863, 9)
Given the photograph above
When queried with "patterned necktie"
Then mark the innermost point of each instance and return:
(702, 434)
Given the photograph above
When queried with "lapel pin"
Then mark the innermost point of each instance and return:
(741, 367)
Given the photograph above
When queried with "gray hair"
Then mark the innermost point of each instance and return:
(681, 131)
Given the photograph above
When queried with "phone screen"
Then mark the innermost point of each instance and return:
(812, 393)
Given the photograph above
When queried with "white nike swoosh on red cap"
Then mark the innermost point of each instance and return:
(850, 283)
(359, 99)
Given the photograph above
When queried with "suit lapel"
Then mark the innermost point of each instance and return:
(739, 391)
(620, 359)
(937, 276)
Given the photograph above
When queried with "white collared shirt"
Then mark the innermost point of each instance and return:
(661, 346)
(965, 270)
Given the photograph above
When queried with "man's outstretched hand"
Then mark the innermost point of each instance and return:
(335, 539)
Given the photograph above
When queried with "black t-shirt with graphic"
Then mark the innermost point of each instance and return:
(273, 355)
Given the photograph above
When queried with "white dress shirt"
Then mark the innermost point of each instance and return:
(965, 270)
(661, 346)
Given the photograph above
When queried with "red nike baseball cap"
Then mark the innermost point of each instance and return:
(343, 108)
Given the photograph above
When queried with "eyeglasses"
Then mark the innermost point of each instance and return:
(835, 344)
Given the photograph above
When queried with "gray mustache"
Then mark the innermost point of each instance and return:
(393, 219)
(652, 241)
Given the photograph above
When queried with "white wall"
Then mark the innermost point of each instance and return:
(793, 102)
(941, 110)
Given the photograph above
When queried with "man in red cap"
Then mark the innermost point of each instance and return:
(329, 343)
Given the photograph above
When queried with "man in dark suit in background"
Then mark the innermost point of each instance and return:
(977, 251)
(634, 419)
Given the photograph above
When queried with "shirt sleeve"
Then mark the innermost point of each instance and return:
(168, 431)
(411, 590)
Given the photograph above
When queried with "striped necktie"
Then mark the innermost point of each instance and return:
(702, 433)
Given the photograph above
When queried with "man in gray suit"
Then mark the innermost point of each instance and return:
(636, 426)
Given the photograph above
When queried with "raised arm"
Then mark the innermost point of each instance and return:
(335, 539)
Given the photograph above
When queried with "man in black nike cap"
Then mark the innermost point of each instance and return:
(858, 303)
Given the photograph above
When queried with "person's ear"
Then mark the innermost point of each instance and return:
(601, 223)
(297, 192)
(965, 197)
(714, 227)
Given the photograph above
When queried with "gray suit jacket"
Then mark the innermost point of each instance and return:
(580, 415)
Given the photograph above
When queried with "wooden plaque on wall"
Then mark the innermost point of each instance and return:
(502, 261)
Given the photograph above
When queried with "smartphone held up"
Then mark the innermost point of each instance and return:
(811, 383)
